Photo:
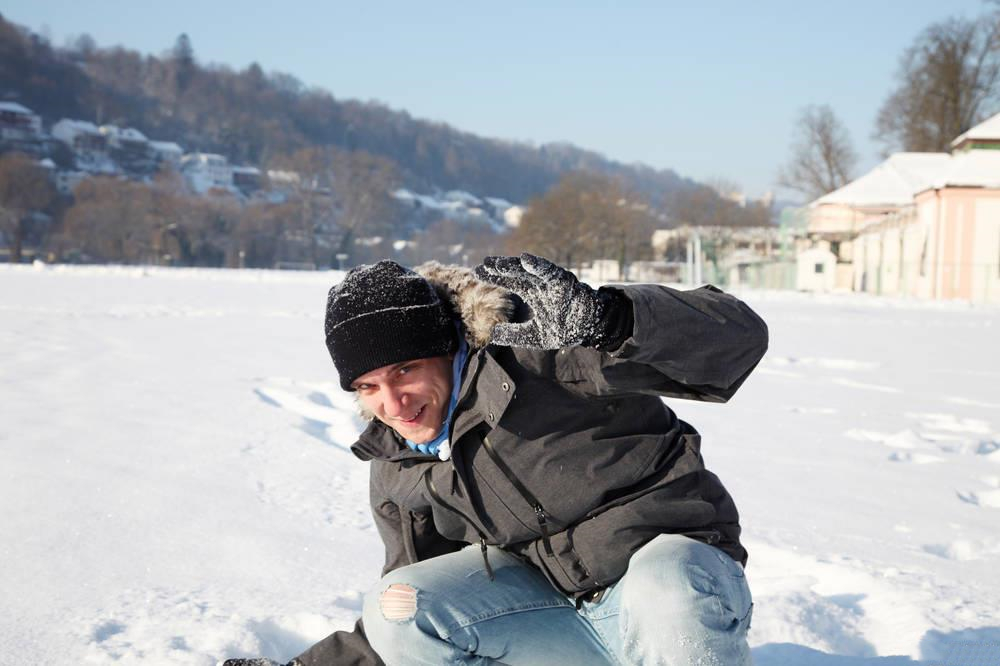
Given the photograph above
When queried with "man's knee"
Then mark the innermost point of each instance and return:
(680, 600)
(393, 600)
(689, 577)
(398, 602)
(389, 613)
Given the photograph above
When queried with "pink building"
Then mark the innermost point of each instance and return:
(946, 244)
(925, 225)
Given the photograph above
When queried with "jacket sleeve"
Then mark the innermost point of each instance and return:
(699, 344)
(342, 648)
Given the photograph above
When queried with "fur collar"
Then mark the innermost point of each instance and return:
(479, 306)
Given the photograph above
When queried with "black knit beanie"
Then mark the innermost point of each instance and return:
(384, 314)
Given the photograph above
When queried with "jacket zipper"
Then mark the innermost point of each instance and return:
(432, 491)
(540, 515)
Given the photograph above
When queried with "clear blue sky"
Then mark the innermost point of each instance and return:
(710, 91)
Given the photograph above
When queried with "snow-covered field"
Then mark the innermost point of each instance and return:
(176, 485)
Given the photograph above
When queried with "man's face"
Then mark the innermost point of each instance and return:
(410, 397)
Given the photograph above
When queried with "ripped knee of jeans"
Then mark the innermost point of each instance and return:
(398, 602)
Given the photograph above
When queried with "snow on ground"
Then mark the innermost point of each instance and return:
(177, 488)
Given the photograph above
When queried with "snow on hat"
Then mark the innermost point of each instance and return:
(383, 314)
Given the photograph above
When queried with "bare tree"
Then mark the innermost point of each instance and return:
(24, 188)
(822, 156)
(353, 187)
(585, 216)
(947, 81)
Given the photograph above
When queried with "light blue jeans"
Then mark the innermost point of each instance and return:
(681, 602)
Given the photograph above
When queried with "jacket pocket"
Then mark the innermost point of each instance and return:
(564, 568)
(605, 543)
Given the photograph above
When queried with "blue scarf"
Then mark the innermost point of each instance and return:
(433, 447)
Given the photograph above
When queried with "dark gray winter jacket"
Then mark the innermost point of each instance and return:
(569, 457)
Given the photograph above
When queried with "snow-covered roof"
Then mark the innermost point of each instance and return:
(128, 134)
(79, 125)
(988, 129)
(279, 176)
(166, 147)
(891, 183)
(975, 168)
(14, 107)
(462, 196)
(205, 158)
(497, 202)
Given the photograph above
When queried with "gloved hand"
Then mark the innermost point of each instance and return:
(565, 311)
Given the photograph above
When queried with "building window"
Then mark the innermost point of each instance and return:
(820, 268)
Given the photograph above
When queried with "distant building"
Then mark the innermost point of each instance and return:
(984, 136)
(130, 149)
(167, 153)
(919, 224)
(18, 123)
(717, 254)
(207, 171)
(247, 179)
(80, 135)
(946, 244)
(835, 219)
(88, 143)
(66, 181)
(815, 270)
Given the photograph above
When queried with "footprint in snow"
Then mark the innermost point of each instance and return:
(964, 550)
(105, 630)
(326, 412)
(950, 423)
(985, 498)
(915, 458)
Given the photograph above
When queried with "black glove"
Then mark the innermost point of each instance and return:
(565, 311)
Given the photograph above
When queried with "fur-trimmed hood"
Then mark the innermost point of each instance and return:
(478, 305)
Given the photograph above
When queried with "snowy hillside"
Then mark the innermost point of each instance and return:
(462, 206)
(177, 486)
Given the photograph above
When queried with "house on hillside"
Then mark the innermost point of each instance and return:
(207, 171)
(130, 149)
(88, 143)
(18, 123)
(167, 153)
(919, 224)
(247, 179)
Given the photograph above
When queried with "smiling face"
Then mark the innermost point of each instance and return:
(410, 397)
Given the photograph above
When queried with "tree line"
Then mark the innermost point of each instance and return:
(258, 117)
(348, 156)
(338, 212)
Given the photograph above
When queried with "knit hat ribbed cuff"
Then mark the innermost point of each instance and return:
(375, 339)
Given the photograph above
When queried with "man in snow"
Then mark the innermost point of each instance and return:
(538, 502)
